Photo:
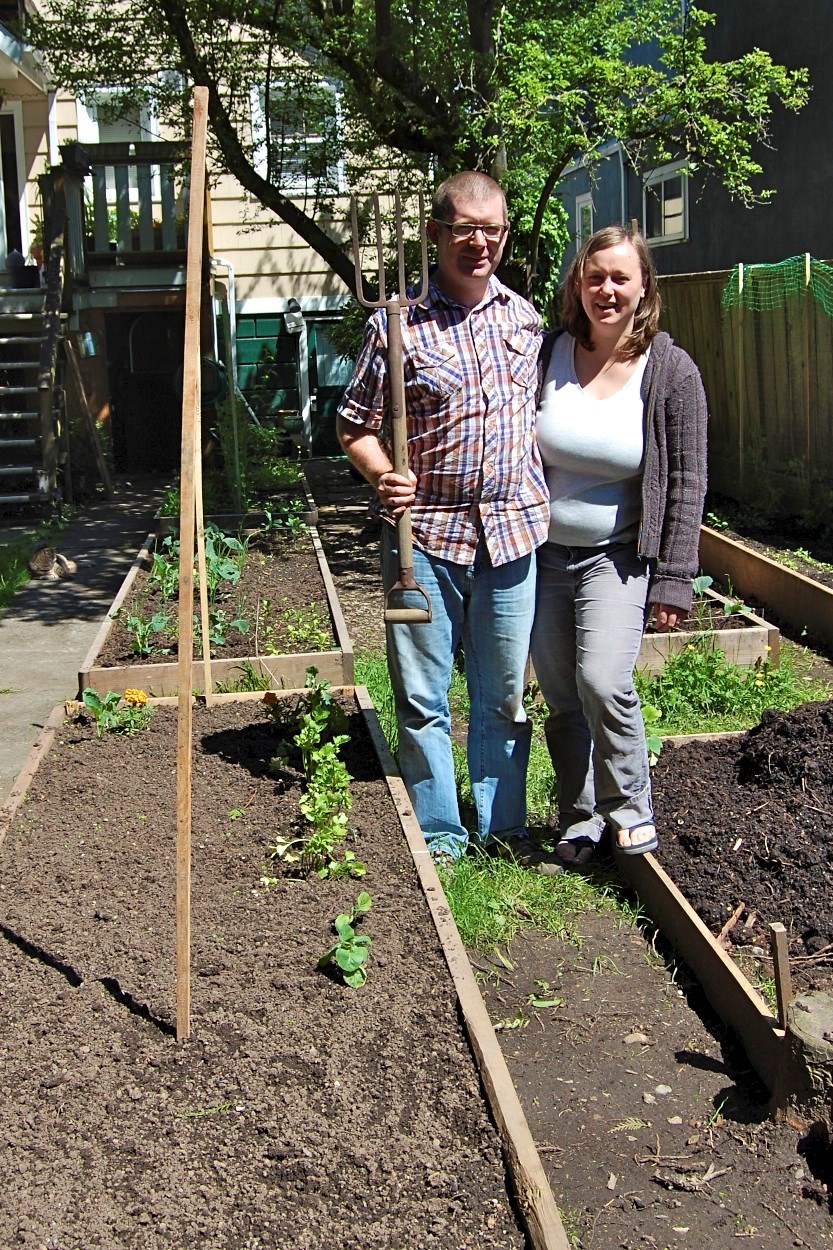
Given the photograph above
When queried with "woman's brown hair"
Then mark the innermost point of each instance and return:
(646, 321)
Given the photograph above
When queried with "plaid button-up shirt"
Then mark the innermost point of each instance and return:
(470, 399)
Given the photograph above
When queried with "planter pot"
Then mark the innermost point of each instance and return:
(797, 600)
(298, 1108)
(748, 640)
(158, 675)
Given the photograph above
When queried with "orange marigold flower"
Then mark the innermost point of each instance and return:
(136, 698)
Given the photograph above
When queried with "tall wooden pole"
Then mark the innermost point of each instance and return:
(187, 516)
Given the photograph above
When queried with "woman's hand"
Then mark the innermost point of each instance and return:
(667, 617)
(396, 492)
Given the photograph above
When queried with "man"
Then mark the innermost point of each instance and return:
(479, 510)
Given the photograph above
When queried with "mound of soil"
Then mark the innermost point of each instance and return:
(749, 821)
(301, 1112)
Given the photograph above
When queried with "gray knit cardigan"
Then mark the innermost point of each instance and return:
(674, 467)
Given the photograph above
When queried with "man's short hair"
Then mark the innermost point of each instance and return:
(468, 185)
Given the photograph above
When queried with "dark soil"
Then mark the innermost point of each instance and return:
(747, 825)
(300, 1113)
(280, 595)
(625, 1162)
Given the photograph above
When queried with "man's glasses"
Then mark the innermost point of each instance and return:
(464, 230)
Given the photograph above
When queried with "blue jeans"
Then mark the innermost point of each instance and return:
(588, 628)
(490, 611)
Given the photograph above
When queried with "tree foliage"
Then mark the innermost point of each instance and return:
(520, 88)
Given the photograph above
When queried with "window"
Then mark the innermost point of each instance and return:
(584, 218)
(665, 205)
(298, 146)
(108, 118)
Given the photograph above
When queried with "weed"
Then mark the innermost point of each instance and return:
(250, 679)
(350, 950)
(111, 715)
(698, 690)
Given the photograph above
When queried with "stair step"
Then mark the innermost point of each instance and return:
(19, 415)
(30, 498)
(17, 470)
(6, 443)
(19, 338)
(18, 390)
(20, 364)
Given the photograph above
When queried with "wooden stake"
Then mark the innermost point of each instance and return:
(187, 515)
(208, 681)
(783, 977)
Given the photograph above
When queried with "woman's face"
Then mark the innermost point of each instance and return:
(611, 288)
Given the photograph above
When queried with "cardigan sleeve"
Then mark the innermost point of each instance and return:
(685, 416)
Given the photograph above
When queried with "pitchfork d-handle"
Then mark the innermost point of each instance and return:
(399, 437)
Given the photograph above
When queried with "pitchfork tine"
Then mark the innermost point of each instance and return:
(393, 308)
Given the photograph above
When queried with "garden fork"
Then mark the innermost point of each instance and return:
(396, 381)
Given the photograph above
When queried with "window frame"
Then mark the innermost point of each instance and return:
(302, 186)
(663, 174)
(584, 201)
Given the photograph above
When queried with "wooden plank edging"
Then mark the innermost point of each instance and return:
(30, 766)
(286, 671)
(531, 1187)
(142, 561)
(795, 598)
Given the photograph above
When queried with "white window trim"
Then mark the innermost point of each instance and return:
(303, 187)
(15, 109)
(584, 200)
(661, 174)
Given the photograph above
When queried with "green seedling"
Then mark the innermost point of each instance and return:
(519, 1021)
(112, 715)
(652, 716)
(305, 629)
(142, 628)
(164, 573)
(544, 998)
(350, 950)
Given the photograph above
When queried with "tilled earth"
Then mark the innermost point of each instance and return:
(300, 1113)
(280, 596)
(652, 1127)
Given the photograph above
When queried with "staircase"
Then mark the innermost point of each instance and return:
(29, 453)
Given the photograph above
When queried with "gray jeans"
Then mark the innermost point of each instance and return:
(588, 628)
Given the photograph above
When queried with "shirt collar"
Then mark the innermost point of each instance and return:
(494, 291)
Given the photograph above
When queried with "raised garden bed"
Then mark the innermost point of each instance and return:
(295, 501)
(743, 637)
(302, 625)
(300, 1111)
(796, 598)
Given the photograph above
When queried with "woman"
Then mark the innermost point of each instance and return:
(622, 432)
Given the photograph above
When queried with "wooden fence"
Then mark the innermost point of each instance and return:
(769, 380)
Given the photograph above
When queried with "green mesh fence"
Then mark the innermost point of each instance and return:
(767, 287)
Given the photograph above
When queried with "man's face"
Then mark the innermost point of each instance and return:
(466, 264)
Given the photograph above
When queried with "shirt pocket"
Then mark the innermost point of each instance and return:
(522, 358)
(433, 373)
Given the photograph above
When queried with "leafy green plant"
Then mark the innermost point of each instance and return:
(283, 518)
(142, 628)
(249, 679)
(349, 952)
(224, 557)
(652, 716)
(315, 717)
(218, 627)
(305, 629)
(164, 573)
(699, 691)
(112, 714)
